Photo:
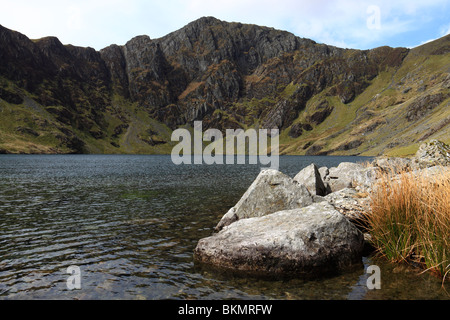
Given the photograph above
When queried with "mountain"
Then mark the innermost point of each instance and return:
(57, 98)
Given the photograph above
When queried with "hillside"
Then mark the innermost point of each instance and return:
(57, 98)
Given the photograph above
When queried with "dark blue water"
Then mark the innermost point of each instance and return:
(130, 223)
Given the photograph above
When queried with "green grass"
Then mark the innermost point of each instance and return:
(409, 150)
(384, 98)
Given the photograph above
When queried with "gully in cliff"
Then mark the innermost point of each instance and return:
(257, 142)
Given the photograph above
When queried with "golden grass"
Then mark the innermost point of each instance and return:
(409, 219)
(190, 88)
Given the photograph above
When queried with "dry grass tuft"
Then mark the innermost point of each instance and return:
(409, 219)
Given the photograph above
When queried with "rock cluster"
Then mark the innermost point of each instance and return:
(283, 225)
(433, 153)
(308, 225)
(430, 154)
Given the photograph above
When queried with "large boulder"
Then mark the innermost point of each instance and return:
(271, 191)
(310, 241)
(350, 175)
(311, 178)
(323, 171)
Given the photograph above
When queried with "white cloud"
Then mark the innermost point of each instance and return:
(99, 23)
(445, 30)
(336, 22)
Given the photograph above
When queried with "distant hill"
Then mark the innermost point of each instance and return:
(57, 98)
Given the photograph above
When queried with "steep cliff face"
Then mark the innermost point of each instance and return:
(68, 84)
(200, 68)
(229, 75)
(213, 65)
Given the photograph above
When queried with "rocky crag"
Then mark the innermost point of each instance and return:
(311, 225)
(57, 98)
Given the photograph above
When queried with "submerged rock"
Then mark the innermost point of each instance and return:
(310, 241)
(271, 191)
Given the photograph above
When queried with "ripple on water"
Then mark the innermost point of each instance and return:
(131, 223)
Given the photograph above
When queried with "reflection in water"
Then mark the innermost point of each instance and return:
(131, 223)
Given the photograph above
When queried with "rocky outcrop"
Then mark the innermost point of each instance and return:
(278, 227)
(271, 191)
(392, 164)
(352, 204)
(116, 63)
(310, 241)
(286, 226)
(432, 153)
(423, 105)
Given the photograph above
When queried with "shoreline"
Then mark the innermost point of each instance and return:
(349, 189)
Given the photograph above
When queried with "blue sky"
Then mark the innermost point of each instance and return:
(349, 24)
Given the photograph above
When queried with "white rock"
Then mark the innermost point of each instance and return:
(313, 240)
(310, 177)
(271, 191)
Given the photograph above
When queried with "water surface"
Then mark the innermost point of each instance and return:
(131, 224)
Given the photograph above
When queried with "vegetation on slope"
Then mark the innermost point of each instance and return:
(128, 99)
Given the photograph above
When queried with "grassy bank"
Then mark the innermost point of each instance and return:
(409, 219)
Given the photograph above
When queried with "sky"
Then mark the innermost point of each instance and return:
(347, 24)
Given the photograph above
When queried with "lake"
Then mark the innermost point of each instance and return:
(131, 223)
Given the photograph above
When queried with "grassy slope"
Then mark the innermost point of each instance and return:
(374, 123)
(377, 116)
(29, 128)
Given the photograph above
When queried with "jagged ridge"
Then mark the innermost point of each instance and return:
(229, 75)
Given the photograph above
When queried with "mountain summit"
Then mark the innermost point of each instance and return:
(57, 98)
